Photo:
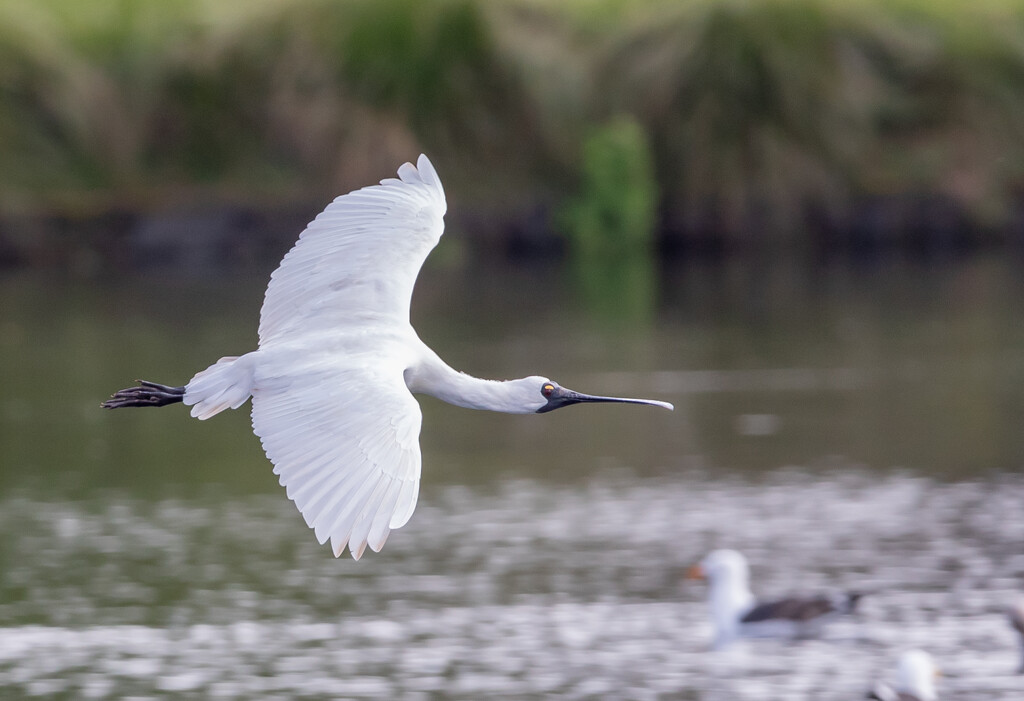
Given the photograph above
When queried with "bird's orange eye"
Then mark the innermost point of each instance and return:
(547, 389)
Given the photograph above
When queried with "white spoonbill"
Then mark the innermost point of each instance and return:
(338, 362)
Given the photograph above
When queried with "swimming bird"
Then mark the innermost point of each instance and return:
(1015, 615)
(735, 612)
(338, 361)
(915, 680)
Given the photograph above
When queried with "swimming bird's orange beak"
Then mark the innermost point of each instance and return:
(695, 572)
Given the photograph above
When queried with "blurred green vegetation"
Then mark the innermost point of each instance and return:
(610, 224)
(614, 213)
(765, 118)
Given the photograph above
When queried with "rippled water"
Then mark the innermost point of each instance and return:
(525, 591)
(846, 429)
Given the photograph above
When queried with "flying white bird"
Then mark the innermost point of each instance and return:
(338, 362)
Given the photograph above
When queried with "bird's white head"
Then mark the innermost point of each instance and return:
(722, 567)
(728, 591)
(916, 675)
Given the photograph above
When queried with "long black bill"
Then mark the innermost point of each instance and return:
(564, 397)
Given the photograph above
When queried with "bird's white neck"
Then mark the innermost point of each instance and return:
(917, 676)
(729, 598)
(435, 377)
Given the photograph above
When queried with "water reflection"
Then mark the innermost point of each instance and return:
(619, 291)
(900, 366)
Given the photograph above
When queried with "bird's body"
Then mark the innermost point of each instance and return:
(1015, 616)
(736, 613)
(338, 361)
(915, 680)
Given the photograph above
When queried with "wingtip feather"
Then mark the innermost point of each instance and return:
(364, 522)
(427, 172)
(407, 172)
(377, 545)
(381, 516)
(406, 504)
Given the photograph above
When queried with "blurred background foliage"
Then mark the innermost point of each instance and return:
(706, 124)
(613, 214)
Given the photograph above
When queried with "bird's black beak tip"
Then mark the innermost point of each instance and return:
(564, 397)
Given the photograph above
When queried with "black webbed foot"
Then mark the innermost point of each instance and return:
(146, 394)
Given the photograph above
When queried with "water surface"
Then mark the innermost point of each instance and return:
(844, 427)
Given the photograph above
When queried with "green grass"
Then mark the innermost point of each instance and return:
(756, 111)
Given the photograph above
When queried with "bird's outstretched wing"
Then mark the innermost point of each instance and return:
(358, 260)
(345, 442)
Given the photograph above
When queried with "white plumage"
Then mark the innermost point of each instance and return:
(338, 361)
(735, 612)
(915, 679)
(358, 260)
(329, 401)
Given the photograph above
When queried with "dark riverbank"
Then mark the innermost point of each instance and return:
(209, 238)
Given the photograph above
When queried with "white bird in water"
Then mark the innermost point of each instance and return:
(735, 612)
(338, 362)
(915, 679)
(1015, 615)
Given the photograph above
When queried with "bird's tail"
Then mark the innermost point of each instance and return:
(224, 385)
(849, 603)
(881, 692)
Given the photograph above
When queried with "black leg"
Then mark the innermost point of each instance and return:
(146, 394)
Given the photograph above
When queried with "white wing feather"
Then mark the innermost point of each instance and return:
(345, 442)
(330, 403)
(358, 259)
